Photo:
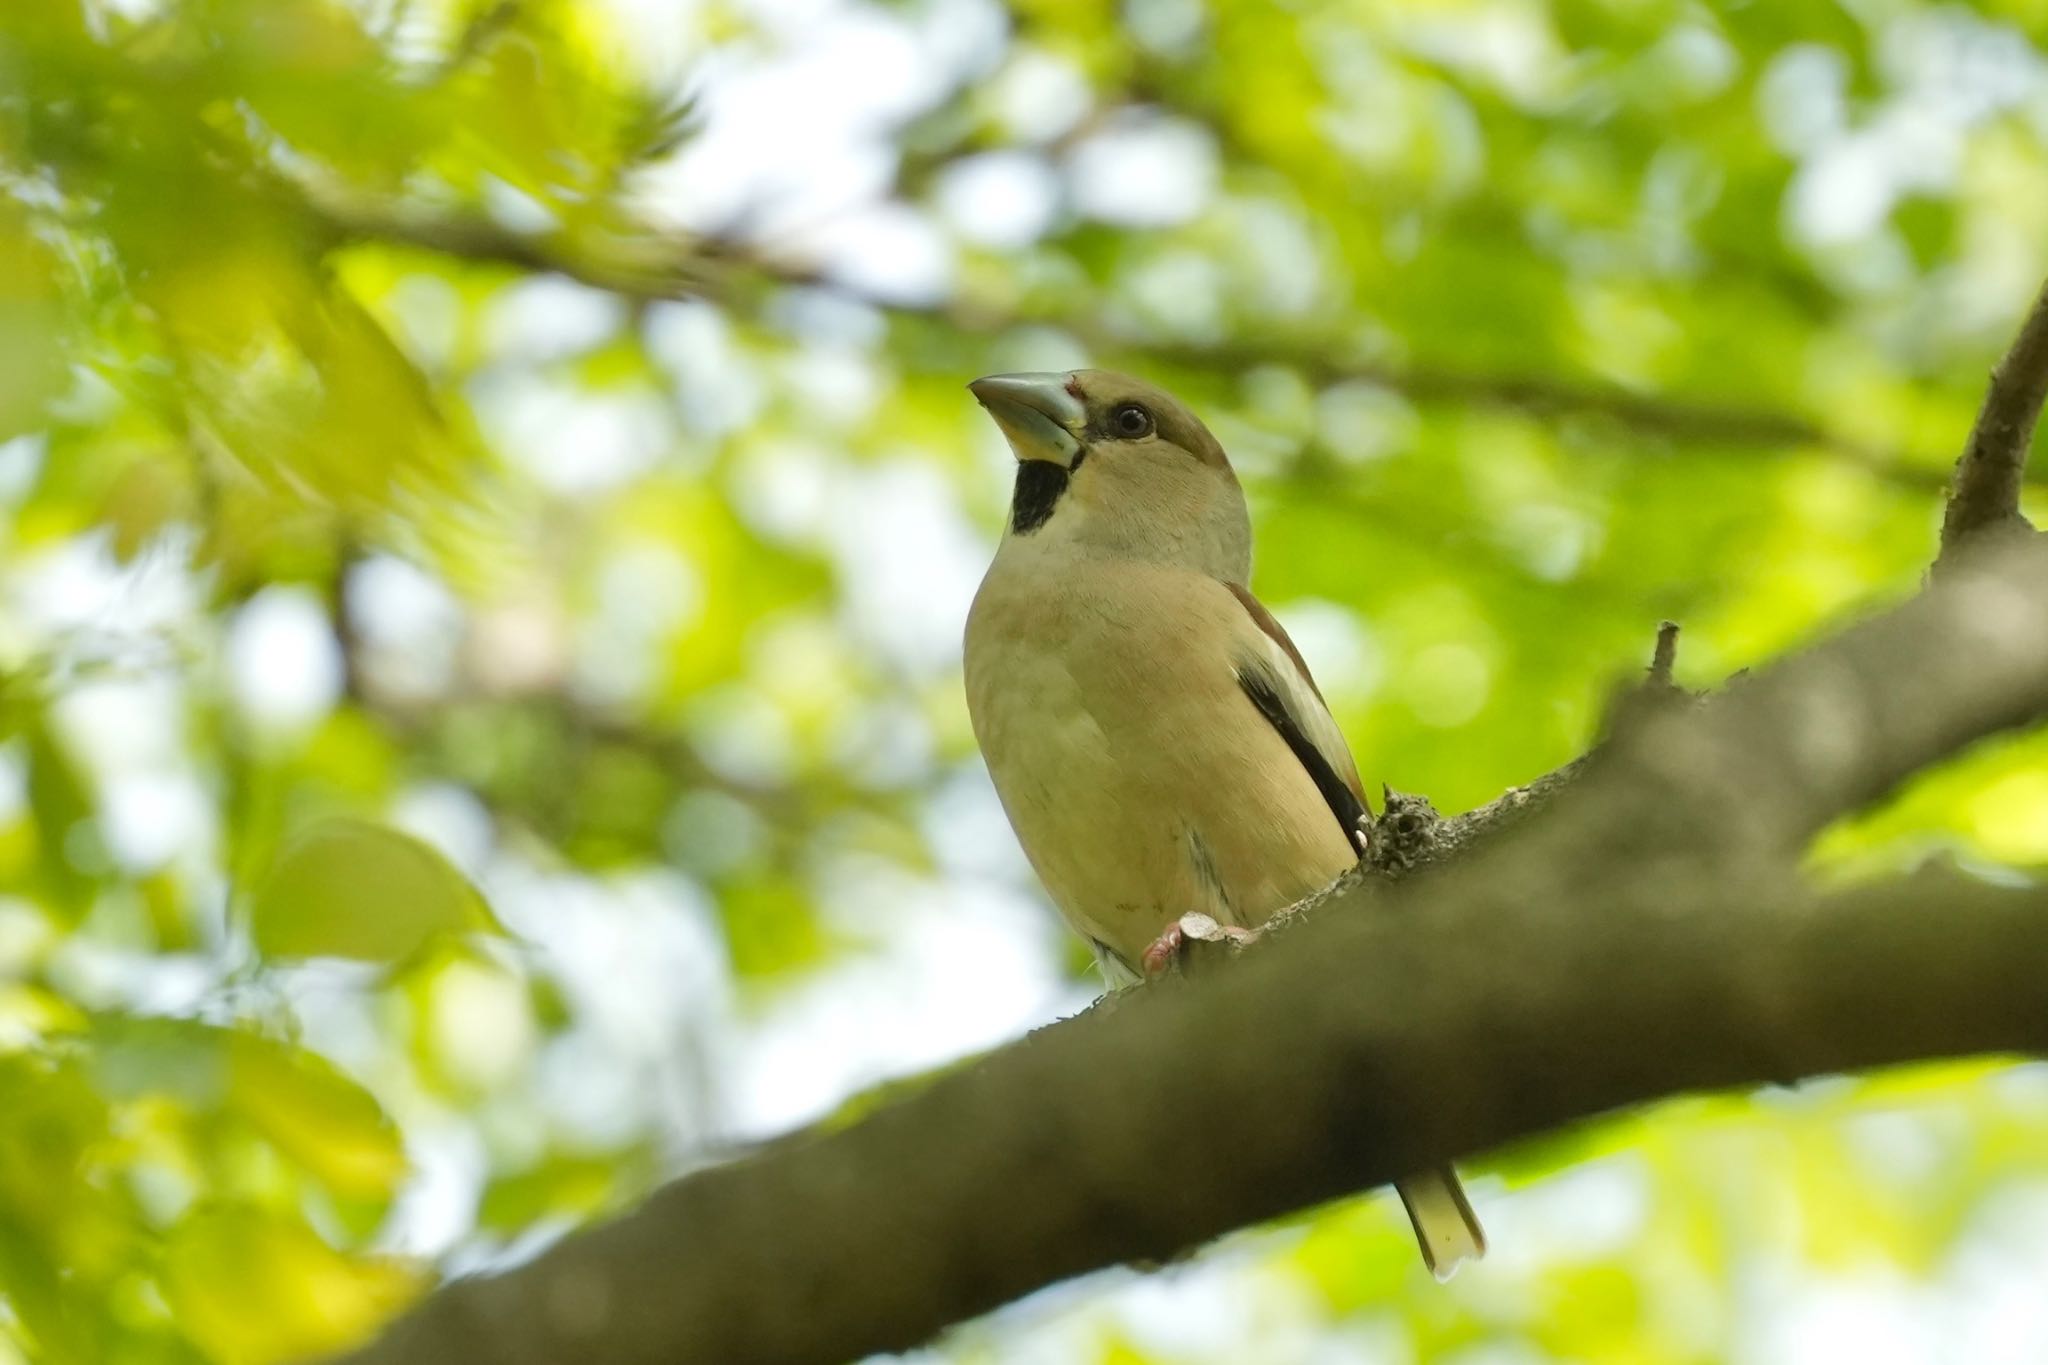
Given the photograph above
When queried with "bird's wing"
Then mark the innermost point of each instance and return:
(1273, 674)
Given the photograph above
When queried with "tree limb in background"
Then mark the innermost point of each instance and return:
(640, 267)
(651, 267)
(1985, 498)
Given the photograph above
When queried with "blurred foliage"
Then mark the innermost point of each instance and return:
(459, 449)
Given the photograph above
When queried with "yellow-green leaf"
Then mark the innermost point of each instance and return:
(353, 889)
(252, 1287)
(298, 1101)
(317, 1116)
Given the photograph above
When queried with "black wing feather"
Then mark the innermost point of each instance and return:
(1342, 801)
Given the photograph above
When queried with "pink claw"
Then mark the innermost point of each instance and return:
(1161, 952)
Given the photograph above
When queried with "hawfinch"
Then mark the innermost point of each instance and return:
(1155, 737)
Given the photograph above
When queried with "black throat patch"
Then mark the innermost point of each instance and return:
(1039, 485)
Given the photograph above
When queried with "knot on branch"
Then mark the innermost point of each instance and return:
(1404, 834)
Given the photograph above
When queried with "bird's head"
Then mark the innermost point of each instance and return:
(1113, 464)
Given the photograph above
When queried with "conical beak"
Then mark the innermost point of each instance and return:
(1036, 412)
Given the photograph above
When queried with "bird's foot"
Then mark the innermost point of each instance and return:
(1162, 952)
(1170, 948)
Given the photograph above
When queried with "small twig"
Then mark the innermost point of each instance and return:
(478, 34)
(1665, 656)
(1409, 834)
(1985, 497)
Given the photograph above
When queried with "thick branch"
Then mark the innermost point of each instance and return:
(1985, 498)
(1645, 937)
(1112, 1139)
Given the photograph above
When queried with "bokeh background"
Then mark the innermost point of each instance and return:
(490, 505)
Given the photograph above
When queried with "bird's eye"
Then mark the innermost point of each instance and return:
(1130, 420)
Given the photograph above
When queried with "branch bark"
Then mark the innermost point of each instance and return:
(1084, 1150)
(1647, 936)
(1984, 501)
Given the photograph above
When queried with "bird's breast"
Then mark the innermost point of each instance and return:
(1141, 783)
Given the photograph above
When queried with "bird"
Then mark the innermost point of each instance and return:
(1153, 734)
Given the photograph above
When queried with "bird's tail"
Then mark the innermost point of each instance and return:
(1445, 1226)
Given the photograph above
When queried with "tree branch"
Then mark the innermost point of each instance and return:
(647, 266)
(638, 266)
(1646, 937)
(1985, 499)
(1110, 1139)
(1653, 414)
(1665, 659)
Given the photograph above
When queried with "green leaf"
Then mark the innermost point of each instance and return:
(565, 1184)
(317, 1116)
(61, 800)
(353, 889)
(32, 355)
(183, 1059)
(299, 1102)
(253, 1287)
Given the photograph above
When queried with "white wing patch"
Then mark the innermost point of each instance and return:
(1311, 714)
(1283, 667)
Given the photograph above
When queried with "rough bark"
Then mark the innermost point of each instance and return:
(1984, 499)
(1111, 1138)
